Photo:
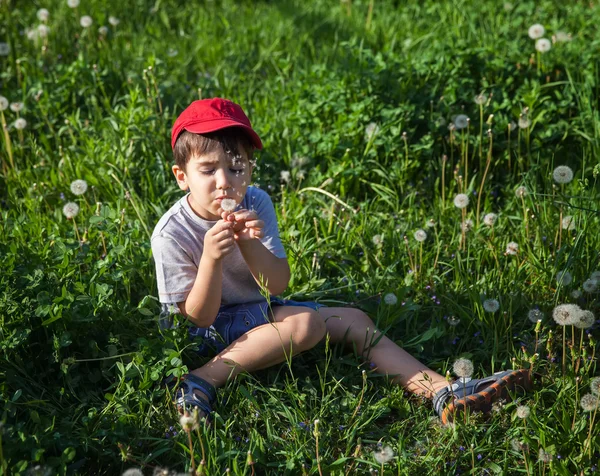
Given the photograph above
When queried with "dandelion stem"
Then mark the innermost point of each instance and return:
(444, 160)
(203, 461)
(362, 393)
(509, 165)
(370, 14)
(189, 434)
(588, 441)
(7, 143)
(487, 167)
(564, 353)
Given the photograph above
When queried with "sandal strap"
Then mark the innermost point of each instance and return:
(196, 383)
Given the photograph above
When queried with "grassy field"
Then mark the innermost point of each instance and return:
(362, 107)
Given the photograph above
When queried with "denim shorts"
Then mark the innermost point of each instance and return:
(234, 320)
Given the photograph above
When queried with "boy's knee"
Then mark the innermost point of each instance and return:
(310, 329)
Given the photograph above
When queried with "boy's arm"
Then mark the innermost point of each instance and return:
(202, 304)
(275, 271)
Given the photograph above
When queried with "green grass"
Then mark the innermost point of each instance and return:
(81, 354)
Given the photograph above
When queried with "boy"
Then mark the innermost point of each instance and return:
(220, 240)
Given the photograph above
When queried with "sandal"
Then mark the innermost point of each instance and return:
(186, 397)
(478, 394)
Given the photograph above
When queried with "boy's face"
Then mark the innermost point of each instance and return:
(212, 176)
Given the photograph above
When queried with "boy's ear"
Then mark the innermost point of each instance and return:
(180, 177)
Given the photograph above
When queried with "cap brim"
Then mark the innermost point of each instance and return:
(213, 126)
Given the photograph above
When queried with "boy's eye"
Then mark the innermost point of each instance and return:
(207, 172)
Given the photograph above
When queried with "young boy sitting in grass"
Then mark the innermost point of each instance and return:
(219, 241)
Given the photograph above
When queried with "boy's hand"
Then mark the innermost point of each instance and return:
(246, 225)
(219, 241)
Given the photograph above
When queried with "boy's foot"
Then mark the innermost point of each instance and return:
(478, 394)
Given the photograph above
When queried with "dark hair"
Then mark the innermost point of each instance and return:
(189, 144)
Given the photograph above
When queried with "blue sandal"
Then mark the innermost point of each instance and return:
(185, 396)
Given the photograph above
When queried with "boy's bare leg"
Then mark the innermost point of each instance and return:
(295, 330)
(355, 328)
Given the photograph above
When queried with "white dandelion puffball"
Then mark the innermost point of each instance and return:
(43, 30)
(512, 248)
(535, 315)
(79, 187)
(114, 21)
(589, 402)
(228, 204)
(561, 37)
(4, 49)
(512, 125)
(562, 174)
(564, 278)
(285, 175)
(3, 103)
(377, 240)
(430, 223)
(461, 200)
(188, 422)
(73, 3)
(543, 45)
(595, 385)
(172, 52)
(568, 223)
(521, 192)
(576, 294)
(566, 314)
(133, 472)
(420, 235)
(461, 121)
(585, 319)
(463, 368)
(595, 275)
(523, 411)
(536, 31)
(453, 321)
(490, 219)
(32, 34)
(480, 99)
(491, 305)
(86, 21)
(590, 286)
(544, 456)
(384, 455)
(390, 299)
(103, 30)
(71, 209)
(20, 124)
(371, 131)
(16, 106)
(524, 122)
(43, 14)
(467, 225)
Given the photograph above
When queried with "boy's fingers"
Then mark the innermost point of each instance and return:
(245, 215)
(255, 224)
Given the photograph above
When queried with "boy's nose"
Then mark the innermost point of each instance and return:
(221, 177)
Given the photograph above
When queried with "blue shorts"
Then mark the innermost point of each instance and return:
(234, 320)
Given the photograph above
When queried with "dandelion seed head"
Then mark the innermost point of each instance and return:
(491, 305)
(73, 3)
(523, 411)
(16, 106)
(20, 124)
(512, 248)
(172, 52)
(43, 14)
(517, 445)
(576, 294)
(467, 225)
(590, 286)
(390, 299)
(461, 121)
(103, 30)
(4, 49)
(564, 278)
(544, 456)
(377, 240)
(3, 103)
(114, 21)
(285, 175)
(463, 368)
(32, 34)
(86, 21)
(562, 174)
(543, 45)
(71, 209)
(430, 223)
(585, 320)
(133, 472)
(384, 456)
(461, 200)
(188, 422)
(43, 30)
(562, 37)
(535, 315)
(512, 125)
(536, 31)
(371, 131)
(420, 235)
(453, 321)
(521, 192)
(490, 219)
(524, 122)
(480, 99)
(595, 385)
(589, 402)
(568, 223)
(79, 187)
(595, 275)
(228, 204)
(566, 314)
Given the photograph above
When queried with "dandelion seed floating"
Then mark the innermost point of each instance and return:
(535, 315)
(70, 210)
(543, 45)
(536, 31)
(390, 299)
(461, 200)
(523, 411)
(463, 368)
(521, 192)
(4, 49)
(228, 204)
(420, 235)
(512, 248)
(384, 456)
(589, 402)
(86, 21)
(562, 174)
(79, 187)
(73, 3)
(461, 121)
(43, 14)
(20, 124)
(491, 305)
(566, 314)
(564, 278)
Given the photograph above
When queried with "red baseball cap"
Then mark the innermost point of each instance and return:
(210, 115)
